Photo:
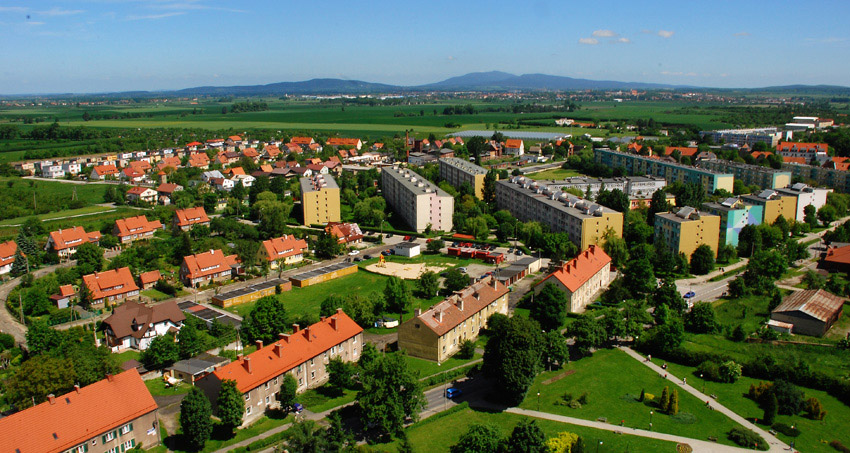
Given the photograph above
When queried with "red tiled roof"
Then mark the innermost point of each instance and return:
(7, 252)
(802, 147)
(64, 291)
(316, 167)
(683, 150)
(173, 162)
(208, 263)
(237, 171)
(447, 314)
(284, 246)
(106, 170)
(167, 187)
(110, 283)
(513, 143)
(839, 255)
(191, 216)
(77, 416)
(794, 160)
(199, 160)
(581, 268)
(346, 232)
(285, 354)
(140, 165)
(343, 153)
(138, 190)
(132, 173)
(235, 138)
(136, 225)
(73, 237)
(150, 277)
(757, 154)
(250, 152)
(193, 144)
(338, 141)
(272, 150)
(302, 140)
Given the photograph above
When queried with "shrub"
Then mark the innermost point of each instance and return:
(756, 391)
(837, 445)
(790, 397)
(814, 409)
(730, 371)
(583, 398)
(684, 448)
(467, 350)
(747, 438)
(709, 370)
(786, 429)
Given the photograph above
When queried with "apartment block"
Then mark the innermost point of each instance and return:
(582, 278)
(774, 204)
(827, 177)
(687, 229)
(805, 196)
(418, 201)
(458, 171)
(437, 333)
(585, 222)
(320, 200)
(304, 354)
(635, 164)
(734, 216)
(764, 177)
(769, 135)
(633, 186)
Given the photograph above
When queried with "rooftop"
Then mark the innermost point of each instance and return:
(534, 136)
(818, 304)
(464, 165)
(580, 269)
(462, 305)
(562, 201)
(413, 182)
(318, 182)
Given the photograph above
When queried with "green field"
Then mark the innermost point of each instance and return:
(555, 173)
(91, 222)
(427, 368)
(613, 382)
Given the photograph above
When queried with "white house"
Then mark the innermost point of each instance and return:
(247, 180)
(72, 168)
(135, 325)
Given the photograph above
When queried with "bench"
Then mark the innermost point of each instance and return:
(602, 419)
(712, 438)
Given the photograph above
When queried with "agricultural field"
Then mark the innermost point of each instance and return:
(24, 198)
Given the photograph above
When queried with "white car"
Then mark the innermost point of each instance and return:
(354, 252)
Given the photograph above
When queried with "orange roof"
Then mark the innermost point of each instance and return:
(513, 143)
(73, 237)
(235, 138)
(140, 165)
(272, 150)
(250, 152)
(378, 145)
(288, 352)
(840, 255)
(207, 263)
(802, 147)
(794, 160)
(136, 225)
(314, 146)
(343, 153)
(167, 187)
(130, 172)
(459, 307)
(758, 154)
(337, 141)
(266, 168)
(136, 190)
(683, 150)
(105, 170)
(173, 162)
(78, 416)
(581, 268)
(7, 252)
(237, 171)
(284, 246)
(66, 291)
(345, 232)
(293, 148)
(199, 160)
(302, 140)
(150, 277)
(191, 216)
(110, 283)
(193, 144)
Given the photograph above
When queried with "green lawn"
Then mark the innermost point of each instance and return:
(220, 439)
(155, 295)
(751, 312)
(438, 434)
(613, 382)
(815, 435)
(80, 212)
(842, 326)
(321, 399)
(157, 388)
(555, 173)
(128, 355)
(427, 368)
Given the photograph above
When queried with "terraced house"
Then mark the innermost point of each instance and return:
(204, 268)
(304, 355)
(135, 228)
(110, 287)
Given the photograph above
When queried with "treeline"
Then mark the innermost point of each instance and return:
(249, 106)
(111, 115)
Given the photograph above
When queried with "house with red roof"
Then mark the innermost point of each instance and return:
(271, 152)
(204, 268)
(111, 287)
(112, 415)
(102, 172)
(194, 145)
(63, 298)
(346, 233)
(795, 160)
(185, 219)
(199, 160)
(689, 151)
(148, 280)
(7, 256)
(165, 192)
(135, 228)
(759, 155)
(252, 154)
(837, 163)
(304, 354)
(837, 259)
(808, 151)
(302, 141)
(514, 147)
(141, 166)
(143, 194)
(130, 174)
(437, 333)
(338, 141)
(172, 162)
(134, 325)
(293, 148)
(581, 278)
(65, 242)
(286, 249)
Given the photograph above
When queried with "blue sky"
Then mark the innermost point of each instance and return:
(116, 45)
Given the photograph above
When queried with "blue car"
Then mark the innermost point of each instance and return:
(690, 294)
(453, 392)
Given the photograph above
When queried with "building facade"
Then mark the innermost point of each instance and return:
(774, 205)
(457, 171)
(65, 242)
(134, 325)
(805, 196)
(810, 312)
(741, 137)
(320, 200)
(185, 219)
(285, 250)
(208, 267)
(418, 201)
(635, 164)
(634, 186)
(582, 278)
(734, 216)
(764, 177)
(687, 229)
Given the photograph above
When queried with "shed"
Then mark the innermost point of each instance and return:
(811, 312)
(408, 249)
(190, 370)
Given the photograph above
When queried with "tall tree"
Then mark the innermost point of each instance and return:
(639, 277)
(513, 356)
(550, 307)
(89, 258)
(397, 295)
(391, 392)
(489, 189)
(189, 341)
(19, 266)
(657, 204)
(266, 320)
(161, 352)
(288, 391)
(38, 377)
(481, 438)
(475, 145)
(428, 285)
(195, 421)
(327, 245)
(231, 405)
(701, 319)
(588, 333)
(702, 260)
(526, 437)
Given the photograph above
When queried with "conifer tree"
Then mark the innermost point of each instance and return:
(665, 399)
(674, 403)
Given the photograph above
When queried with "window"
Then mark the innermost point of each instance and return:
(79, 449)
(312, 375)
(267, 385)
(126, 428)
(112, 450)
(129, 444)
(300, 382)
(109, 436)
(247, 397)
(275, 381)
(248, 410)
(267, 400)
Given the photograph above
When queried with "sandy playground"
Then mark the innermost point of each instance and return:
(407, 271)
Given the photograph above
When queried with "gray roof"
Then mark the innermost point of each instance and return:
(200, 364)
(562, 201)
(464, 165)
(414, 182)
(406, 245)
(318, 182)
(510, 134)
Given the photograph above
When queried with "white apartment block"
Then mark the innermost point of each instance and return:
(805, 196)
(418, 201)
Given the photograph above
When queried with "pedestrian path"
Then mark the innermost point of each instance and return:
(776, 445)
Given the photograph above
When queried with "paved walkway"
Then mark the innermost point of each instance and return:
(776, 445)
(699, 446)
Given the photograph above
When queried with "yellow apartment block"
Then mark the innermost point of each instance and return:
(320, 200)
(775, 205)
(687, 229)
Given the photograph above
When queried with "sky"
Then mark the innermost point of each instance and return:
(83, 46)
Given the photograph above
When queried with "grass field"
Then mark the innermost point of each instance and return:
(319, 400)
(555, 173)
(91, 222)
(751, 312)
(427, 368)
(613, 382)
(157, 388)
(813, 433)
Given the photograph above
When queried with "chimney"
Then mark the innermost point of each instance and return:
(493, 281)
(284, 337)
(295, 328)
(418, 312)
(307, 334)
(110, 377)
(259, 344)
(333, 323)
(239, 357)
(323, 318)
(439, 316)
(77, 388)
(339, 311)
(278, 349)
(246, 362)
(51, 398)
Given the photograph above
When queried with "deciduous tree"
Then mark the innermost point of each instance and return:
(513, 356)
(231, 405)
(195, 421)
(483, 438)
(266, 320)
(549, 307)
(391, 393)
(702, 260)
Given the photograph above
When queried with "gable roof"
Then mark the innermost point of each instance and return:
(110, 283)
(191, 216)
(302, 140)
(513, 143)
(345, 232)
(802, 147)
(683, 150)
(138, 190)
(580, 269)
(338, 141)
(106, 170)
(7, 252)
(168, 188)
(462, 305)
(288, 352)
(284, 246)
(73, 237)
(838, 255)
(136, 225)
(173, 162)
(818, 304)
(208, 263)
(124, 316)
(149, 277)
(76, 417)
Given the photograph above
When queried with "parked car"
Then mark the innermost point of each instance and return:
(387, 252)
(519, 253)
(690, 294)
(453, 392)
(358, 259)
(462, 269)
(367, 257)
(354, 252)
(407, 238)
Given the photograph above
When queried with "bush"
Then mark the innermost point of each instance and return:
(790, 397)
(467, 350)
(814, 409)
(837, 445)
(709, 370)
(730, 371)
(747, 438)
(786, 429)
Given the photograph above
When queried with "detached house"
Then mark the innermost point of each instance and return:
(207, 267)
(135, 325)
(111, 287)
(286, 249)
(110, 416)
(102, 172)
(165, 192)
(65, 242)
(199, 160)
(514, 147)
(135, 228)
(346, 233)
(353, 142)
(143, 194)
(185, 219)
(7, 256)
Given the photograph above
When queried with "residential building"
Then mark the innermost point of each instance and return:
(817, 152)
(111, 287)
(304, 355)
(199, 160)
(805, 196)
(687, 229)
(768, 135)
(514, 146)
(134, 325)
(112, 415)
(65, 242)
(684, 151)
(437, 333)
(734, 216)
(419, 202)
(775, 204)
(835, 178)
(347, 233)
(635, 164)
(286, 250)
(764, 177)
(837, 258)
(204, 268)
(320, 200)
(584, 222)
(143, 194)
(420, 159)
(633, 186)
(353, 142)
(54, 170)
(165, 192)
(185, 219)
(810, 312)
(62, 299)
(7, 256)
(102, 172)
(148, 280)
(458, 171)
(581, 278)
(134, 228)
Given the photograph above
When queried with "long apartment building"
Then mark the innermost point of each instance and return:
(585, 222)
(633, 186)
(581, 279)
(635, 164)
(734, 216)
(769, 135)
(418, 201)
(774, 205)
(304, 354)
(828, 177)
(458, 171)
(320, 200)
(687, 229)
(764, 177)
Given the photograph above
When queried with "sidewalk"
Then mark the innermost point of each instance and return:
(776, 445)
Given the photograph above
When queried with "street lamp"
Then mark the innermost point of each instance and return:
(597, 446)
(703, 383)
(538, 401)
(650, 420)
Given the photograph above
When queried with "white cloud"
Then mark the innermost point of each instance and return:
(450, 58)
(604, 34)
(156, 16)
(588, 41)
(742, 34)
(12, 9)
(665, 33)
(58, 12)
(624, 40)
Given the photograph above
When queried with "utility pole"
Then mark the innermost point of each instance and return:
(21, 306)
